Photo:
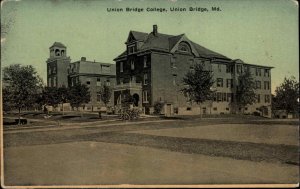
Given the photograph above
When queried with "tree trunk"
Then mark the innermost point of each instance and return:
(62, 106)
(200, 111)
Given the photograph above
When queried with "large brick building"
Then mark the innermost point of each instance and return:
(62, 72)
(153, 65)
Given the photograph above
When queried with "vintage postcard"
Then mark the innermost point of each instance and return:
(140, 93)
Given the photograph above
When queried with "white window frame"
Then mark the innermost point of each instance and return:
(145, 97)
(145, 79)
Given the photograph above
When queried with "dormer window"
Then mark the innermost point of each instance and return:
(131, 49)
(184, 47)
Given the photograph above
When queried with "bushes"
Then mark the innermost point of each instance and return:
(129, 113)
(158, 106)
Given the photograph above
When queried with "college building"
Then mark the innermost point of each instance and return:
(62, 72)
(153, 64)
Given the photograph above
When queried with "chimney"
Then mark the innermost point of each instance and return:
(155, 30)
(83, 58)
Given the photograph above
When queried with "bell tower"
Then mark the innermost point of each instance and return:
(57, 66)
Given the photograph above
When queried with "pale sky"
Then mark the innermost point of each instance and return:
(263, 32)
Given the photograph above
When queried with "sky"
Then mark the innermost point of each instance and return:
(263, 32)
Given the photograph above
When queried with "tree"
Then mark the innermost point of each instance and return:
(105, 94)
(245, 92)
(78, 95)
(49, 96)
(198, 84)
(287, 95)
(21, 85)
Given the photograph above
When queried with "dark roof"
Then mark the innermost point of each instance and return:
(208, 53)
(58, 44)
(139, 36)
(173, 40)
(165, 43)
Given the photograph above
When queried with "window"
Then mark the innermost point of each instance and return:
(239, 68)
(145, 61)
(224, 97)
(54, 69)
(267, 98)
(258, 72)
(173, 62)
(184, 47)
(49, 70)
(98, 97)
(229, 83)
(121, 66)
(54, 81)
(50, 82)
(107, 82)
(219, 82)
(266, 85)
(246, 68)
(258, 84)
(132, 65)
(105, 69)
(188, 108)
(219, 68)
(215, 97)
(145, 79)
(258, 98)
(98, 84)
(219, 97)
(88, 82)
(145, 96)
(174, 80)
(133, 79)
(267, 73)
(228, 97)
(215, 108)
(228, 68)
(131, 49)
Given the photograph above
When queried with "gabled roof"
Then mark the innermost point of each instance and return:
(165, 42)
(173, 40)
(139, 36)
(58, 44)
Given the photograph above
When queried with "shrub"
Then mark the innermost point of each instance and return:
(129, 113)
(158, 106)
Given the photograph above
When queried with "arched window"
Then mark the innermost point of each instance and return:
(184, 47)
(57, 52)
(62, 52)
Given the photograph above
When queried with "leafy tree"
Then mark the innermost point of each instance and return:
(287, 95)
(49, 96)
(198, 83)
(105, 94)
(78, 95)
(21, 85)
(245, 92)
